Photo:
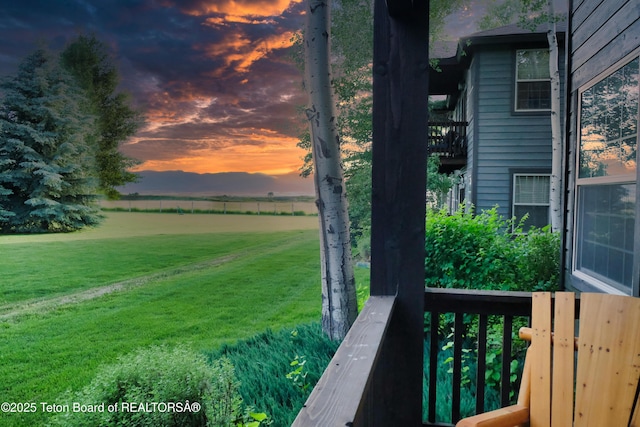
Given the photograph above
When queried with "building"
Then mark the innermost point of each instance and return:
(496, 87)
(602, 240)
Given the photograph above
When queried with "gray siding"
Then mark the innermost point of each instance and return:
(505, 141)
(472, 93)
(603, 32)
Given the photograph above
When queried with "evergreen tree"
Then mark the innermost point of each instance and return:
(46, 158)
(89, 61)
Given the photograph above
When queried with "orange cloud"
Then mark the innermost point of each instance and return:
(245, 8)
(240, 53)
(255, 156)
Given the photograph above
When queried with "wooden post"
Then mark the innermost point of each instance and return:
(400, 130)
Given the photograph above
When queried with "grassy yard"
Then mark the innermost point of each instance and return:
(69, 303)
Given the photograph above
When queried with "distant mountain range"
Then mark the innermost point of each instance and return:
(213, 184)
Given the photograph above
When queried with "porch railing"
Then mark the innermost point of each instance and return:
(343, 396)
(340, 397)
(464, 307)
(448, 138)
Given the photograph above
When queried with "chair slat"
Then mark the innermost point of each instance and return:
(541, 362)
(563, 360)
(635, 419)
(608, 360)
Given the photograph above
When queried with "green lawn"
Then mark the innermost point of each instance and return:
(70, 303)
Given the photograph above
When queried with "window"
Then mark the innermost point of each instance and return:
(531, 197)
(605, 217)
(533, 84)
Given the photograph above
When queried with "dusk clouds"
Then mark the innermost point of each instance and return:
(213, 78)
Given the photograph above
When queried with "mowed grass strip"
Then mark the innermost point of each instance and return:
(44, 354)
(53, 265)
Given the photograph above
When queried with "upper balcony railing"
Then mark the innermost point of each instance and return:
(344, 396)
(448, 140)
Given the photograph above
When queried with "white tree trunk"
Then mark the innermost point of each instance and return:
(339, 304)
(555, 195)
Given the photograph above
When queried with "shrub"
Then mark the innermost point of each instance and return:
(160, 375)
(481, 251)
(538, 259)
(470, 251)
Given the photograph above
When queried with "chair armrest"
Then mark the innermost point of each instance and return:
(504, 417)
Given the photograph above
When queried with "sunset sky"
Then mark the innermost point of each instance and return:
(213, 78)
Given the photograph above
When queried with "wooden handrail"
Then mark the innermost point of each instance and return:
(339, 396)
(346, 394)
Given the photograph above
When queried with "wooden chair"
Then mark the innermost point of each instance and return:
(607, 366)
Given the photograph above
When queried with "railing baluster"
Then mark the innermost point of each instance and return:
(433, 365)
(457, 366)
(482, 362)
(505, 387)
(484, 304)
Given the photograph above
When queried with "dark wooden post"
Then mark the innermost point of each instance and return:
(400, 131)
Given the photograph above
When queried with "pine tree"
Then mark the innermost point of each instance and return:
(47, 160)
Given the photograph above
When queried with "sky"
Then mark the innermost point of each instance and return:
(213, 77)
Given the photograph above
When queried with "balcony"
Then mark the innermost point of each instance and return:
(448, 139)
(351, 392)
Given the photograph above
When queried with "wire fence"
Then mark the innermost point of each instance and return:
(208, 206)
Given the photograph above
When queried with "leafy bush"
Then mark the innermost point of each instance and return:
(263, 362)
(470, 251)
(538, 260)
(162, 377)
(481, 251)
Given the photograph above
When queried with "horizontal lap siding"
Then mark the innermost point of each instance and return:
(469, 190)
(506, 140)
(603, 33)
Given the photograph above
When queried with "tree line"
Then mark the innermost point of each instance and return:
(61, 123)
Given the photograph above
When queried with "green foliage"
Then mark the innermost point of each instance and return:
(485, 251)
(352, 50)
(263, 362)
(90, 62)
(298, 375)
(203, 394)
(438, 184)
(358, 181)
(470, 251)
(499, 14)
(527, 13)
(46, 156)
(202, 288)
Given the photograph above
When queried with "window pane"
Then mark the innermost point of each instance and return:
(609, 125)
(532, 64)
(532, 189)
(531, 197)
(604, 233)
(538, 216)
(533, 96)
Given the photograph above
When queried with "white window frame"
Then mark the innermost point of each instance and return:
(517, 81)
(513, 194)
(622, 179)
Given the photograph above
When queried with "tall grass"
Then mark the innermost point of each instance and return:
(263, 280)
